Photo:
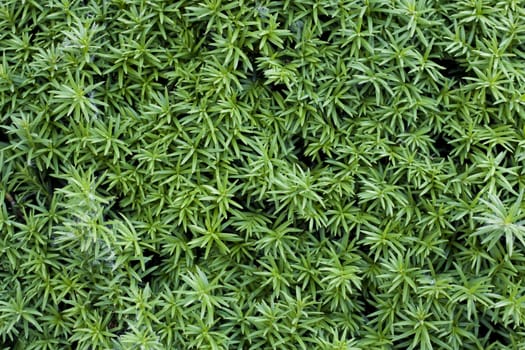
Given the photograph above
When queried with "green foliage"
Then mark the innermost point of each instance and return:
(268, 174)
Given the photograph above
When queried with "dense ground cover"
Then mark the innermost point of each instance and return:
(330, 174)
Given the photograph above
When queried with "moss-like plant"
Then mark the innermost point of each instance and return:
(270, 174)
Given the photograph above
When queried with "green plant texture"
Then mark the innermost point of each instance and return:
(262, 174)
